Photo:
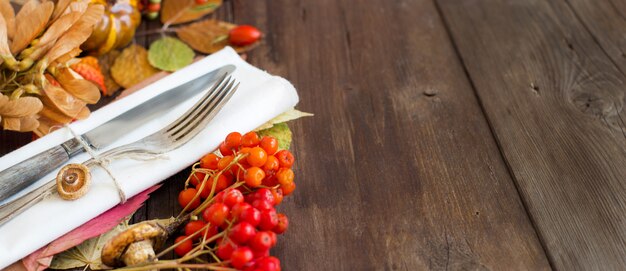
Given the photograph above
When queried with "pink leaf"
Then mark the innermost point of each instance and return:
(41, 259)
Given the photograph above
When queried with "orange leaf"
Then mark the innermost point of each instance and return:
(209, 36)
(181, 11)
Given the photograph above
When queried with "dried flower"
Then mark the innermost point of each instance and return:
(35, 63)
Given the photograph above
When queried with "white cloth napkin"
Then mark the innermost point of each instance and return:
(259, 98)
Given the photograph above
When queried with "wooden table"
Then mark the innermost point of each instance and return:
(449, 134)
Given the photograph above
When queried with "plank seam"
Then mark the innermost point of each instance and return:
(542, 241)
(595, 39)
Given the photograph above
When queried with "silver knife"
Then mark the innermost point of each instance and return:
(25, 173)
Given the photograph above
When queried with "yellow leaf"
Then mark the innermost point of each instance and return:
(181, 11)
(132, 66)
(209, 36)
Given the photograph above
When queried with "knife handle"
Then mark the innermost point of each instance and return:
(25, 173)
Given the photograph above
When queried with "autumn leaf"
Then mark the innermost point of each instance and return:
(281, 132)
(181, 11)
(170, 54)
(30, 21)
(87, 253)
(291, 114)
(40, 259)
(6, 10)
(132, 66)
(106, 61)
(209, 36)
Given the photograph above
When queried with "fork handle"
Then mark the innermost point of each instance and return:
(25, 173)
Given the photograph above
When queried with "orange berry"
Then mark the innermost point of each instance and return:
(254, 177)
(269, 144)
(288, 188)
(250, 139)
(224, 162)
(284, 176)
(257, 157)
(209, 161)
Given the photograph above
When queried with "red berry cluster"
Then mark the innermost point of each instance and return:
(239, 192)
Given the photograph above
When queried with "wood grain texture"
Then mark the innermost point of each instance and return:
(398, 169)
(554, 100)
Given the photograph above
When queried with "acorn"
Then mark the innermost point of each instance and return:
(73, 181)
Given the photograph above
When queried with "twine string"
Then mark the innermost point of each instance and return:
(100, 161)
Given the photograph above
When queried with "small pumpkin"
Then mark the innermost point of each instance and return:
(117, 27)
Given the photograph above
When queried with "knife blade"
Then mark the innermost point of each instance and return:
(25, 173)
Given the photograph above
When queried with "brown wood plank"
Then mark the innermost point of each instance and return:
(398, 169)
(554, 100)
(606, 20)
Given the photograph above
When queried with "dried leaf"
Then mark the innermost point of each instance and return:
(5, 52)
(12, 124)
(89, 68)
(93, 228)
(181, 11)
(58, 99)
(28, 124)
(87, 253)
(291, 114)
(24, 124)
(59, 9)
(132, 66)
(281, 132)
(9, 16)
(77, 34)
(59, 27)
(31, 21)
(77, 86)
(54, 115)
(22, 107)
(45, 127)
(66, 57)
(106, 61)
(170, 54)
(209, 36)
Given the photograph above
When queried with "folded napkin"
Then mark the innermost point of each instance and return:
(259, 98)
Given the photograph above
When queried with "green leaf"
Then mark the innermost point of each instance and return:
(281, 132)
(170, 54)
(205, 7)
(87, 253)
(288, 115)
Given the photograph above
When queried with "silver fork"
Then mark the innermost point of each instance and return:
(167, 139)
